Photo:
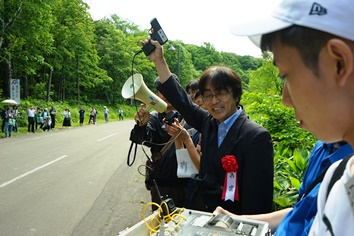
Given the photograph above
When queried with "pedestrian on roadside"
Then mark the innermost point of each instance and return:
(82, 116)
(30, 116)
(67, 119)
(38, 117)
(92, 116)
(53, 113)
(14, 112)
(121, 114)
(105, 112)
(3, 119)
(95, 116)
(8, 125)
(44, 116)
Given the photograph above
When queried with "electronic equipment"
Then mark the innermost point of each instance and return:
(170, 117)
(135, 88)
(200, 223)
(170, 204)
(156, 33)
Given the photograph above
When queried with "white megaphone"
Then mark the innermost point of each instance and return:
(135, 85)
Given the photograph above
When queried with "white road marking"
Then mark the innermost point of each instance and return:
(31, 171)
(106, 137)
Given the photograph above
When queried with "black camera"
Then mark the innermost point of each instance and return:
(170, 117)
(156, 33)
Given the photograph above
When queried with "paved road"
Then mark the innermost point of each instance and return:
(70, 182)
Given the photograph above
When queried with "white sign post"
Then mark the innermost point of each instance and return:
(15, 90)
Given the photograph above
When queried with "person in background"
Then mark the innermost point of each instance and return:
(38, 117)
(14, 113)
(53, 114)
(198, 99)
(105, 112)
(95, 116)
(8, 126)
(67, 118)
(82, 115)
(45, 114)
(232, 145)
(30, 116)
(92, 116)
(3, 119)
(121, 117)
(192, 88)
(312, 44)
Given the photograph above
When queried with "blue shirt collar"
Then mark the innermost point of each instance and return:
(225, 126)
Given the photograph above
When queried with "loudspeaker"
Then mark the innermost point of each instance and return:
(142, 93)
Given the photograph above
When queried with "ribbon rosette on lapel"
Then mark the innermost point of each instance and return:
(230, 190)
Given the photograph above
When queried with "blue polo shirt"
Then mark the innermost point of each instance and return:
(299, 220)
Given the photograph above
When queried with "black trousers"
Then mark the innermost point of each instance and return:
(52, 118)
(30, 124)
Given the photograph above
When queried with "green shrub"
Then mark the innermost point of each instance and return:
(292, 145)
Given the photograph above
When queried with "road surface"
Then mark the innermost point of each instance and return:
(71, 181)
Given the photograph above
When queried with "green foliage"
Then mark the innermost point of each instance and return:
(291, 144)
(265, 78)
(290, 167)
(279, 120)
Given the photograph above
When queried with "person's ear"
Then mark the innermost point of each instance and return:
(342, 54)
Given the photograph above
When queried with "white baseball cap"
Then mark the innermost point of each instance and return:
(331, 16)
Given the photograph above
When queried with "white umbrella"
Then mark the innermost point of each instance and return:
(9, 101)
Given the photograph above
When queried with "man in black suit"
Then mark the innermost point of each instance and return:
(229, 139)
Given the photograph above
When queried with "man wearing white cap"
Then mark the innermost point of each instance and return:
(313, 47)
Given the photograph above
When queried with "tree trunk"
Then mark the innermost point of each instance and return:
(25, 86)
(78, 80)
(49, 84)
(8, 75)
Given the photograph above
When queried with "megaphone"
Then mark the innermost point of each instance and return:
(135, 88)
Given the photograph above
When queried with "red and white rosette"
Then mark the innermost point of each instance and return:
(230, 190)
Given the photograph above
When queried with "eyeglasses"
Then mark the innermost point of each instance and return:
(219, 96)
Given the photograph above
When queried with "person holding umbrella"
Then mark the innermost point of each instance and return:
(8, 125)
(6, 102)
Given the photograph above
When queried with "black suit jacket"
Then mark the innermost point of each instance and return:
(250, 143)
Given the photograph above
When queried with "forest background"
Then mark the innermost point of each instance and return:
(66, 59)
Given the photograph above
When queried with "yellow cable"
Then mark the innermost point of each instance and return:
(155, 221)
(144, 218)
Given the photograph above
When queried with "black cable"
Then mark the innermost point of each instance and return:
(137, 53)
(139, 118)
(136, 108)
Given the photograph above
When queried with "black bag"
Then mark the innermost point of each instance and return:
(137, 134)
(150, 169)
(137, 137)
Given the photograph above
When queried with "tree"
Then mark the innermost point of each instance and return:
(266, 78)
(74, 62)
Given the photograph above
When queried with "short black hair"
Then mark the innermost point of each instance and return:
(307, 41)
(222, 77)
(192, 84)
(197, 94)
